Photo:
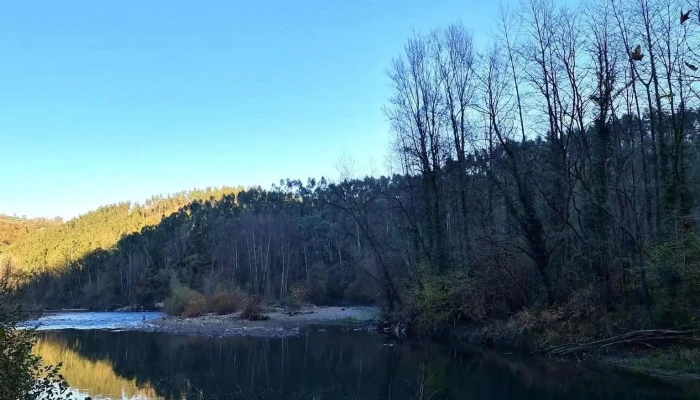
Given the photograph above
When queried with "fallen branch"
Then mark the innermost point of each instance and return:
(635, 337)
(293, 313)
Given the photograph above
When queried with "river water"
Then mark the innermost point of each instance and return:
(320, 363)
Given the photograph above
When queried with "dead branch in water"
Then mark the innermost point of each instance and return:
(642, 337)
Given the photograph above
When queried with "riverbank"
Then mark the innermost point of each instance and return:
(676, 362)
(660, 353)
(277, 322)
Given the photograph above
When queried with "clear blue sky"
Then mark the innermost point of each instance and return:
(105, 101)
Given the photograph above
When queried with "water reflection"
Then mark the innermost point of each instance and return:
(332, 364)
(95, 378)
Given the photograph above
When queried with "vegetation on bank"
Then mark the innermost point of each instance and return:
(584, 224)
(23, 375)
(188, 303)
(545, 192)
(680, 361)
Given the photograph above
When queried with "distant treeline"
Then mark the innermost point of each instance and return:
(256, 240)
(60, 244)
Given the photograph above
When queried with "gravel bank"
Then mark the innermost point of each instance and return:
(279, 324)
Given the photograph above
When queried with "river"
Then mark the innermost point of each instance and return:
(103, 359)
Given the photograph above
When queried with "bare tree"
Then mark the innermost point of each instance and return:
(455, 63)
(415, 112)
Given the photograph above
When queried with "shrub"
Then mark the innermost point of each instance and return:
(362, 291)
(511, 333)
(674, 281)
(583, 302)
(22, 374)
(175, 304)
(180, 298)
(226, 302)
(440, 302)
(252, 309)
(196, 306)
(317, 284)
(297, 295)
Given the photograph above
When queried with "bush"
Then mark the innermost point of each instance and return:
(176, 303)
(512, 333)
(297, 295)
(583, 303)
(196, 306)
(227, 302)
(440, 302)
(252, 309)
(674, 281)
(183, 301)
(22, 374)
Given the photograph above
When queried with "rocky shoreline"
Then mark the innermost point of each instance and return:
(278, 323)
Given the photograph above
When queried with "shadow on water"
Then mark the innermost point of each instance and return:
(331, 364)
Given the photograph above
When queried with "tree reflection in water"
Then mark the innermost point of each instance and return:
(333, 364)
(90, 377)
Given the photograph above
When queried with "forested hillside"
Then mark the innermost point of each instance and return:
(550, 180)
(61, 244)
(13, 229)
(260, 241)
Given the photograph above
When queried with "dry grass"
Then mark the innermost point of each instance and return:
(196, 306)
(227, 302)
(252, 309)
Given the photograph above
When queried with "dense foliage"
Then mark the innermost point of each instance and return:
(558, 170)
(13, 229)
(259, 241)
(62, 244)
(23, 376)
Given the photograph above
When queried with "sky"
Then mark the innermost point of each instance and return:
(109, 101)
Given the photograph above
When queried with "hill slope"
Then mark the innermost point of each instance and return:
(63, 243)
(268, 243)
(13, 229)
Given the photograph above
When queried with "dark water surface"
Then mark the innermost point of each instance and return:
(330, 363)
